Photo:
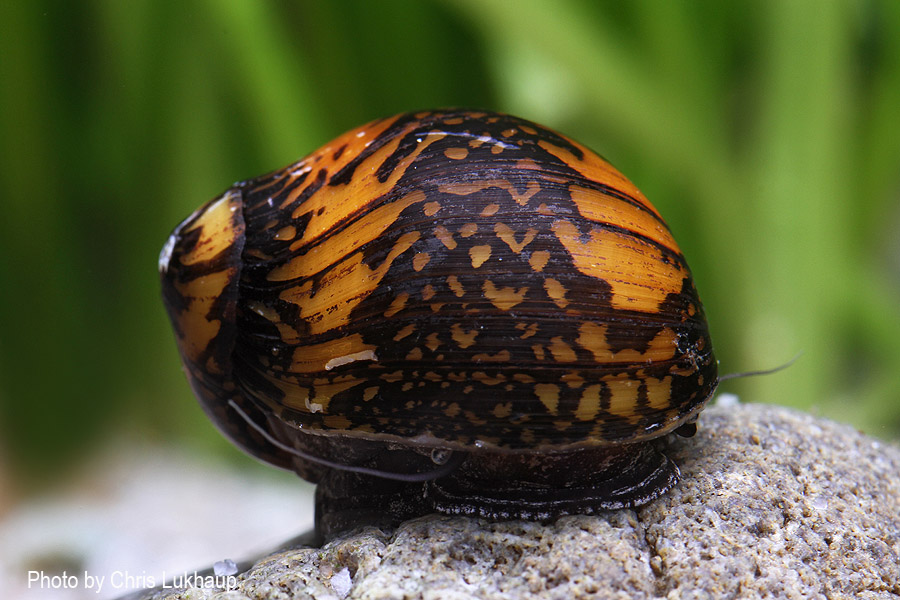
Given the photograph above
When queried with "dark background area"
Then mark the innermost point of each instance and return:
(766, 133)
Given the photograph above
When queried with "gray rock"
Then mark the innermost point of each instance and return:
(773, 504)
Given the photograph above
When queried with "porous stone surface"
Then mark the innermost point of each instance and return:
(773, 503)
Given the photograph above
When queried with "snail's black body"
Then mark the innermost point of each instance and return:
(467, 299)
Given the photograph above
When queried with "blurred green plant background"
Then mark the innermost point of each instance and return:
(766, 132)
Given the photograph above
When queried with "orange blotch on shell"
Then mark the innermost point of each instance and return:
(639, 276)
(456, 153)
(441, 233)
(556, 291)
(455, 286)
(624, 393)
(342, 288)
(404, 332)
(503, 298)
(573, 380)
(530, 329)
(468, 229)
(397, 305)
(659, 392)
(330, 204)
(479, 254)
(286, 233)
(490, 210)
(538, 260)
(561, 351)
(531, 189)
(463, 338)
(217, 229)
(433, 342)
(501, 356)
(420, 260)
(548, 394)
(470, 416)
(220, 226)
(350, 240)
(486, 379)
(502, 411)
(589, 403)
(602, 208)
(592, 337)
(506, 233)
(196, 329)
(393, 377)
(597, 169)
(257, 254)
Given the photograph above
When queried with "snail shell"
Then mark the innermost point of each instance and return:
(444, 284)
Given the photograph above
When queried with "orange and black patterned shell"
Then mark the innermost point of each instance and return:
(449, 278)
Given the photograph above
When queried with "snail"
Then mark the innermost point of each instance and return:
(446, 311)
